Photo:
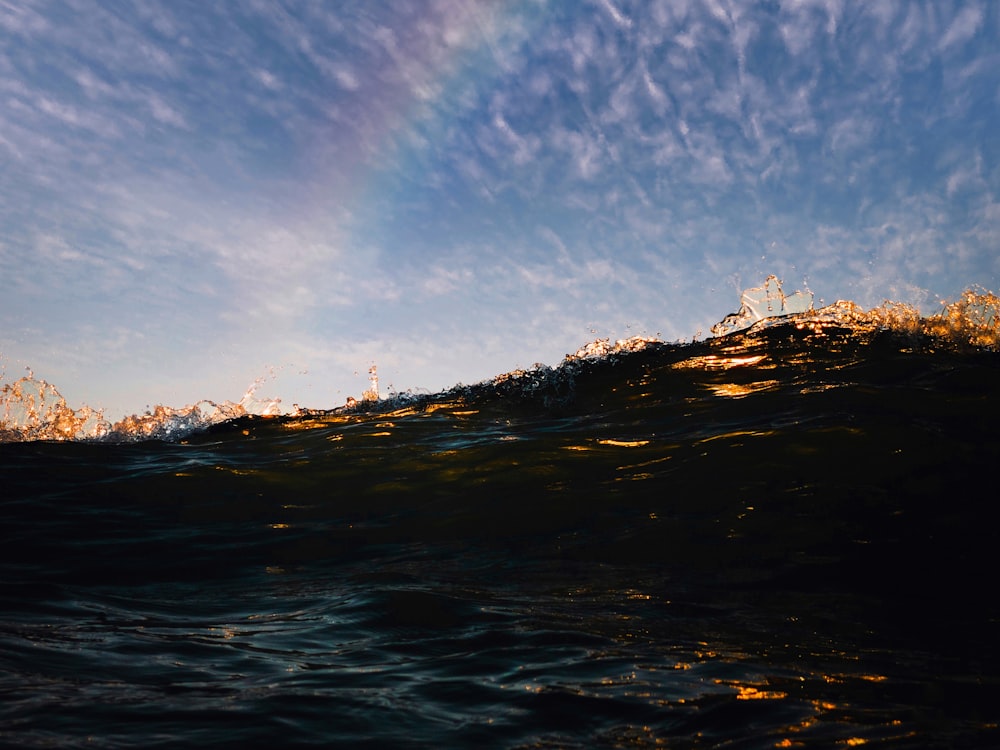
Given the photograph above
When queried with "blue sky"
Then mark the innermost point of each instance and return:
(194, 195)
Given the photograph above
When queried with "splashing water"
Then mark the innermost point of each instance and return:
(767, 301)
(32, 409)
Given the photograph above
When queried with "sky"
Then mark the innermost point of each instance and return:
(197, 195)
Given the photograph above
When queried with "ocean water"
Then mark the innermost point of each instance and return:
(782, 536)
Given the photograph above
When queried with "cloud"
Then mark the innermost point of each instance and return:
(966, 175)
(268, 79)
(440, 280)
(963, 27)
(525, 149)
(164, 113)
(53, 248)
(22, 20)
(585, 151)
(801, 28)
(617, 16)
(74, 117)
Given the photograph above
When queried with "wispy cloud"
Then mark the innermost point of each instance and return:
(963, 26)
(620, 19)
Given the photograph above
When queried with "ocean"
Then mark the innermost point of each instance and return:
(780, 536)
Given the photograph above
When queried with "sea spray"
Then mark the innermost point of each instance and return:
(32, 409)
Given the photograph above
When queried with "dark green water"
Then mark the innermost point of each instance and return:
(785, 538)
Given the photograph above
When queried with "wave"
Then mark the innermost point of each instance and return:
(34, 410)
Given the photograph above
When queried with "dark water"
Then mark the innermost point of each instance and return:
(783, 538)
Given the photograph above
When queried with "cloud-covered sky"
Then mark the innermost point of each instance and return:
(193, 195)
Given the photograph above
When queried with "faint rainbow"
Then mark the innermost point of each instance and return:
(430, 105)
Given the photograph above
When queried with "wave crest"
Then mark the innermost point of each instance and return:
(32, 409)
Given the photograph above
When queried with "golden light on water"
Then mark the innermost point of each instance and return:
(738, 434)
(747, 692)
(739, 390)
(613, 442)
(312, 423)
(237, 472)
(715, 362)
